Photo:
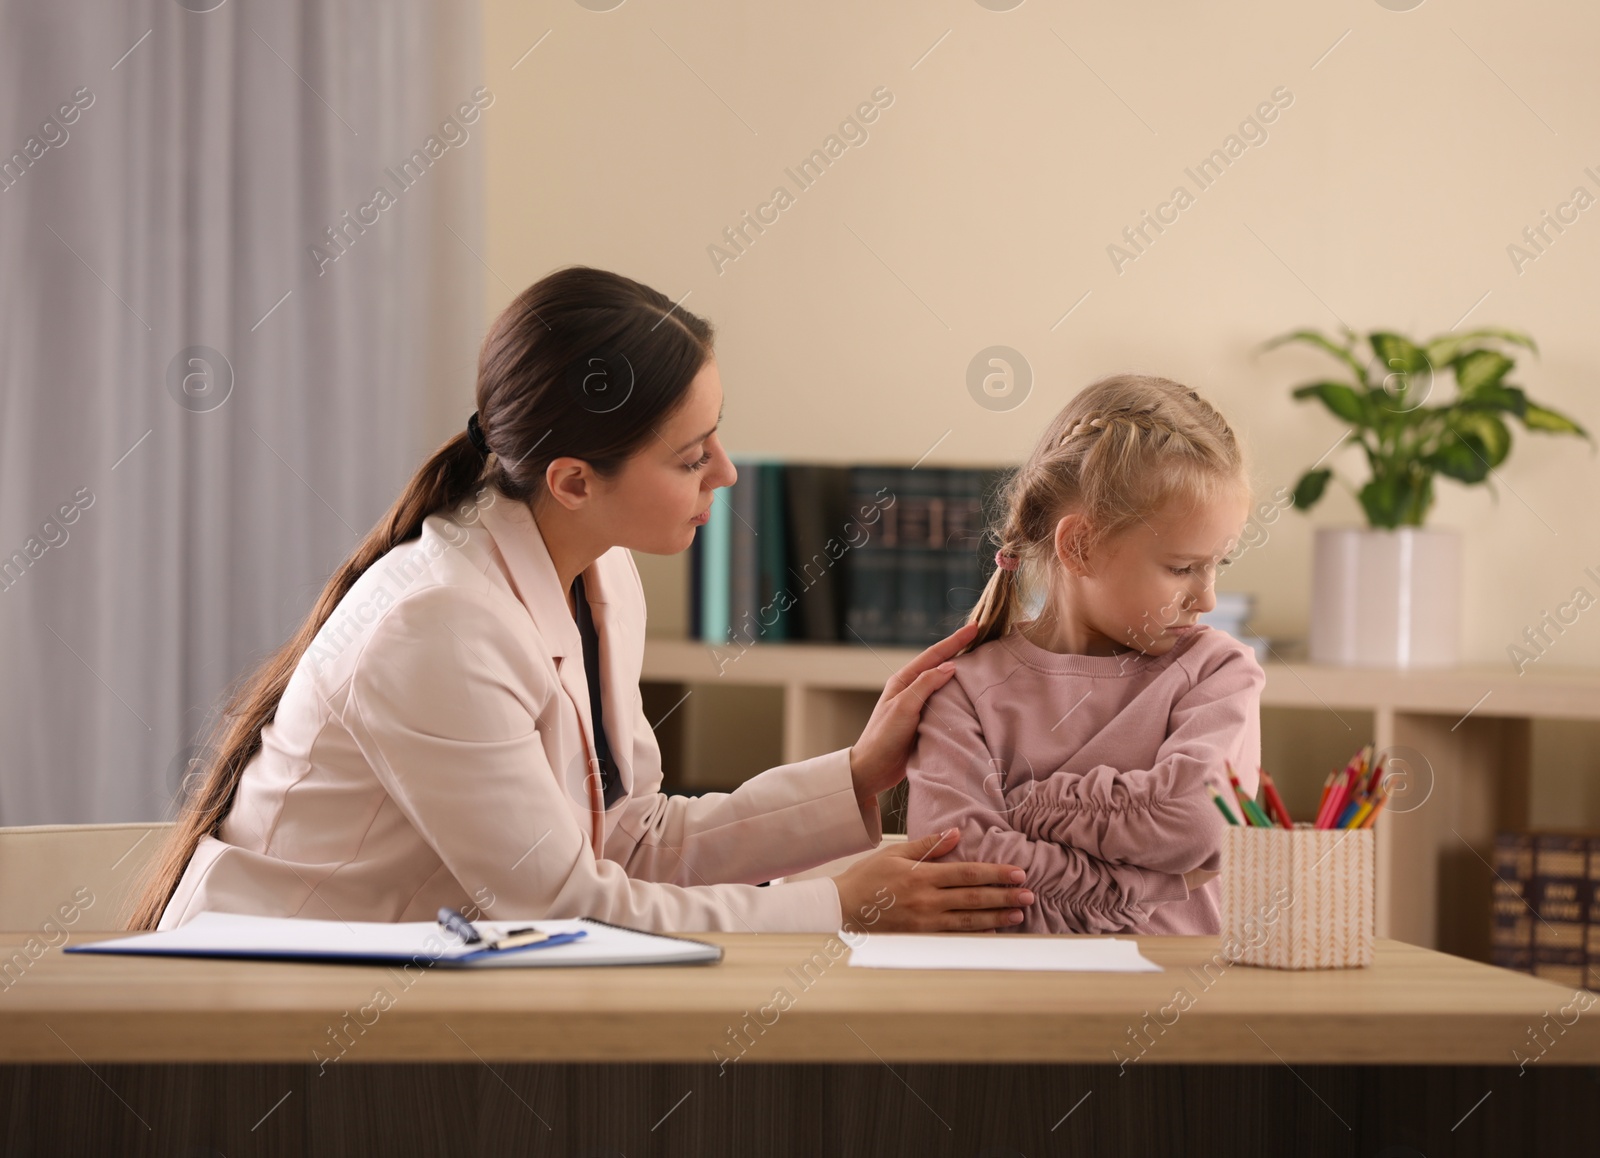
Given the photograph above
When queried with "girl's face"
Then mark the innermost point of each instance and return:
(1145, 587)
(664, 489)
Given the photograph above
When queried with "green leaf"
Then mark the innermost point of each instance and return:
(1343, 400)
(1477, 369)
(1509, 399)
(1315, 338)
(1387, 499)
(1536, 417)
(1399, 355)
(1475, 442)
(1459, 458)
(1310, 487)
(1443, 349)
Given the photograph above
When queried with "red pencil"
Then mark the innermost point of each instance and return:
(1336, 801)
(1322, 801)
(1376, 777)
(1273, 799)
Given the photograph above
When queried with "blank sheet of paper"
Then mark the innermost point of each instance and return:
(1064, 954)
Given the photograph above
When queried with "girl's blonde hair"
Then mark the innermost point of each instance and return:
(1118, 452)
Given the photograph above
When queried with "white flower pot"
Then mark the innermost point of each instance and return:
(1386, 598)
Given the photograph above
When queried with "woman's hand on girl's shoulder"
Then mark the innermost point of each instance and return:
(878, 758)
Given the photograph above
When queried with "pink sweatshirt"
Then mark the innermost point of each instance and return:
(1090, 773)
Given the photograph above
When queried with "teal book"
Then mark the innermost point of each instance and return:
(716, 563)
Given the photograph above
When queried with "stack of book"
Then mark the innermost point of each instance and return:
(833, 554)
(1546, 917)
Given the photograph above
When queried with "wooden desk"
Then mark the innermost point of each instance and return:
(783, 1049)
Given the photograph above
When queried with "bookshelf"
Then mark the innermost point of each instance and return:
(1468, 731)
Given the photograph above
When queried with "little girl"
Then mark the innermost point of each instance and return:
(1081, 744)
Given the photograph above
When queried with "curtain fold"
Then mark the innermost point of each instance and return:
(239, 303)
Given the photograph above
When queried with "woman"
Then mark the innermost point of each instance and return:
(459, 721)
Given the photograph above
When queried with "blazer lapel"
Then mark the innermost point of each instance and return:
(619, 678)
(516, 534)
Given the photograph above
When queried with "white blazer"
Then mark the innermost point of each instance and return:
(433, 747)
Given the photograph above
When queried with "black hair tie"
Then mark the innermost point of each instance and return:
(475, 435)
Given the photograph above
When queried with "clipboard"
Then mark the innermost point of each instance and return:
(581, 942)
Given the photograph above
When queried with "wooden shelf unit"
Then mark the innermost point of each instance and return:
(1466, 732)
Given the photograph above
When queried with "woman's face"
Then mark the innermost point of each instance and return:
(664, 490)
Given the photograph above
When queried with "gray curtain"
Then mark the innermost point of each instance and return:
(204, 400)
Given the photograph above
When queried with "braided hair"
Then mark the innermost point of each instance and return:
(1122, 449)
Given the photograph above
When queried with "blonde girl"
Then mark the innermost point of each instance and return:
(1080, 742)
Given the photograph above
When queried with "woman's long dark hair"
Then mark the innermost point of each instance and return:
(583, 363)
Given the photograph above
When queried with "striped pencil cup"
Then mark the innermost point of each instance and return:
(1298, 898)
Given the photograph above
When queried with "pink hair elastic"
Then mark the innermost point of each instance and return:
(1006, 561)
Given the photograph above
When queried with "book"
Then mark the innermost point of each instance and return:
(744, 545)
(817, 545)
(249, 937)
(716, 563)
(772, 570)
(1591, 954)
(1560, 878)
(696, 581)
(1511, 931)
(872, 600)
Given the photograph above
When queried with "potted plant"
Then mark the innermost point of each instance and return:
(1389, 594)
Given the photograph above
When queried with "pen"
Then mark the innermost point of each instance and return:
(459, 925)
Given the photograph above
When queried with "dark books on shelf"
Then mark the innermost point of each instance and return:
(1511, 939)
(835, 554)
(1546, 912)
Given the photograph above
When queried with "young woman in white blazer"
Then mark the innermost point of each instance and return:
(428, 737)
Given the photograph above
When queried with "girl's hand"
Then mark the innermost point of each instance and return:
(878, 759)
(896, 890)
(1194, 878)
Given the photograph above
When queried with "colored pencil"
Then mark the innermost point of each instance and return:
(1222, 806)
(1274, 801)
(1377, 807)
(1252, 812)
(1322, 801)
(1376, 777)
(1335, 801)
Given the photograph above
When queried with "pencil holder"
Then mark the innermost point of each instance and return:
(1298, 898)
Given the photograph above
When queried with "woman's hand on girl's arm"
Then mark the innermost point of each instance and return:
(878, 759)
(900, 889)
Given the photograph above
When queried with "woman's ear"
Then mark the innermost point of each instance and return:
(570, 482)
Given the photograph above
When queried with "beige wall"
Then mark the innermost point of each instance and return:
(981, 207)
